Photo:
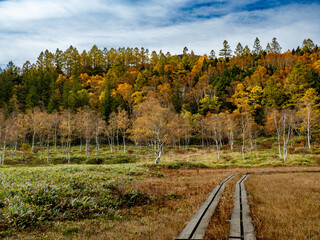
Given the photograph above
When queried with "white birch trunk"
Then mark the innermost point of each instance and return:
(218, 149)
(243, 142)
(124, 141)
(308, 129)
(48, 148)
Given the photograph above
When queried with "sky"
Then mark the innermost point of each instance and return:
(28, 27)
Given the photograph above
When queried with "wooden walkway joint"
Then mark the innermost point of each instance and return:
(241, 223)
(196, 227)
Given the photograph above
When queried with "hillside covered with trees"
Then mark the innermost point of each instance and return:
(155, 99)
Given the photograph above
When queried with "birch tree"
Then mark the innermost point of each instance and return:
(55, 119)
(17, 131)
(199, 126)
(154, 123)
(230, 127)
(214, 127)
(98, 126)
(6, 129)
(281, 122)
(186, 126)
(2, 132)
(67, 128)
(123, 123)
(111, 131)
(244, 120)
(13, 135)
(85, 121)
(32, 121)
(308, 112)
(42, 126)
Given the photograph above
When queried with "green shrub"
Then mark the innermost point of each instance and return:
(33, 196)
(184, 164)
(119, 159)
(94, 161)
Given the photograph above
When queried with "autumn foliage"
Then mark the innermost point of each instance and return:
(130, 94)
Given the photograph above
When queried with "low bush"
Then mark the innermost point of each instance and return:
(184, 151)
(184, 164)
(301, 151)
(94, 161)
(266, 145)
(117, 159)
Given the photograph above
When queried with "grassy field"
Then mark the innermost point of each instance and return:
(265, 153)
(288, 207)
(125, 201)
(121, 197)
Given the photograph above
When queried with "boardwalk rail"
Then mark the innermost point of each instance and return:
(196, 227)
(241, 223)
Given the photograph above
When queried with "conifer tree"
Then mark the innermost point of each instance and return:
(268, 48)
(225, 52)
(246, 50)
(307, 45)
(212, 55)
(239, 50)
(275, 46)
(257, 49)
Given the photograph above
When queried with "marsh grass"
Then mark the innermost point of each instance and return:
(176, 187)
(287, 207)
(232, 158)
(176, 195)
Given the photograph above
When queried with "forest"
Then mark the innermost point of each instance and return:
(115, 96)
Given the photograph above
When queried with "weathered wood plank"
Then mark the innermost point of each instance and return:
(202, 227)
(235, 224)
(248, 229)
(195, 228)
(241, 223)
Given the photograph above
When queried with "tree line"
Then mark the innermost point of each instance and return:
(151, 124)
(195, 94)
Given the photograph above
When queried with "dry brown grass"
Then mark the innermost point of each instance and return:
(166, 218)
(285, 206)
(219, 225)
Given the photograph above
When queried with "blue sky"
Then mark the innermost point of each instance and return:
(28, 27)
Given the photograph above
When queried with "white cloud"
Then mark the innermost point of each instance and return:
(28, 27)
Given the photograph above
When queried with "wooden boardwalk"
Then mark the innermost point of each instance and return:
(241, 227)
(196, 227)
(241, 223)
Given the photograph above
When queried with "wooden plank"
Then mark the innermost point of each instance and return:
(235, 227)
(241, 223)
(202, 227)
(248, 229)
(201, 214)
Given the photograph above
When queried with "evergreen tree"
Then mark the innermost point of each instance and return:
(8, 78)
(239, 50)
(212, 54)
(58, 61)
(275, 46)
(246, 50)
(108, 104)
(225, 52)
(185, 51)
(307, 45)
(268, 48)
(257, 49)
